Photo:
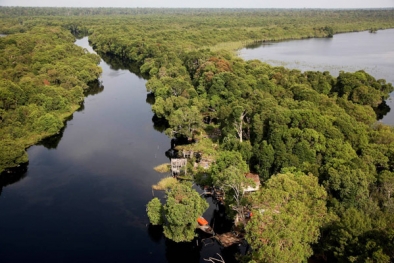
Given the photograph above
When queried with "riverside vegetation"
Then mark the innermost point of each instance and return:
(42, 78)
(325, 162)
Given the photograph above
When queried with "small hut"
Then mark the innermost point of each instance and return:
(176, 166)
(256, 179)
(187, 154)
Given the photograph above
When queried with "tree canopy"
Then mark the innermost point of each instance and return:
(287, 215)
(179, 214)
(42, 78)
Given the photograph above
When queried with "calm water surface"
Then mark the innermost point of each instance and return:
(372, 52)
(83, 197)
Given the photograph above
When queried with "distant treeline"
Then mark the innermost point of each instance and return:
(92, 11)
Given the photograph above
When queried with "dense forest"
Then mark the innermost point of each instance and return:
(43, 75)
(325, 163)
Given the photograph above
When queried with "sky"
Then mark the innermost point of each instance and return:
(206, 3)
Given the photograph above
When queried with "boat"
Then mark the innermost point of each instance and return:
(204, 226)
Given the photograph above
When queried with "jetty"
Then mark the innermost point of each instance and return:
(229, 238)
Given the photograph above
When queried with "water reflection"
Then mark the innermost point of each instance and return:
(258, 44)
(119, 64)
(219, 221)
(95, 87)
(150, 98)
(159, 124)
(53, 141)
(12, 175)
(182, 252)
(382, 110)
(155, 233)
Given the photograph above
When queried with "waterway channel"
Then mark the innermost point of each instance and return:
(84, 194)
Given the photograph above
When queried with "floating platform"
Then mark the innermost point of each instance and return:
(229, 239)
(207, 229)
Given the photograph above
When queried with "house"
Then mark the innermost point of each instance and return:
(177, 165)
(256, 179)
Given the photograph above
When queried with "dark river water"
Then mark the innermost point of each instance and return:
(83, 196)
(372, 52)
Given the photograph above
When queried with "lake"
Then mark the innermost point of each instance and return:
(372, 52)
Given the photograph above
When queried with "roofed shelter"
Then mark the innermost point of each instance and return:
(256, 179)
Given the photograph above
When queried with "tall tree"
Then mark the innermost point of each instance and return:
(228, 173)
(184, 121)
(179, 215)
(288, 213)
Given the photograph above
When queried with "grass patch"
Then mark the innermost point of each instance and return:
(163, 168)
(185, 177)
(229, 46)
(165, 183)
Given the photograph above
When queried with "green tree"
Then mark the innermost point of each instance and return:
(184, 121)
(360, 237)
(233, 182)
(288, 213)
(179, 214)
(228, 173)
(154, 210)
(11, 154)
(48, 123)
(183, 206)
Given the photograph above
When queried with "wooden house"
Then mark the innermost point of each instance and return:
(256, 179)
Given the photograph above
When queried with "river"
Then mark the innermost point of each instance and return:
(84, 194)
(372, 52)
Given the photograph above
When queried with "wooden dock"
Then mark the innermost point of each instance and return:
(229, 239)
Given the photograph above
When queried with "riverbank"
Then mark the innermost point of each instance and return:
(85, 190)
(238, 45)
(43, 79)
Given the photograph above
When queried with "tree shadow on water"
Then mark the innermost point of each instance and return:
(382, 110)
(117, 63)
(182, 252)
(150, 98)
(159, 124)
(95, 87)
(53, 141)
(13, 175)
(155, 233)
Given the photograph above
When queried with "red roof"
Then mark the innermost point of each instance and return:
(201, 220)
